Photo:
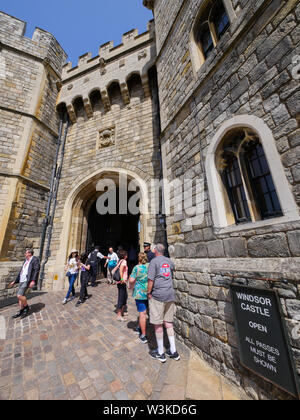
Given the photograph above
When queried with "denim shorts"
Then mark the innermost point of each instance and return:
(22, 289)
(141, 305)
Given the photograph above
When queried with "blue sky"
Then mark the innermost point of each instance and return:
(81, 26)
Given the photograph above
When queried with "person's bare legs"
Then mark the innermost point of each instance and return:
(143, 322)
(22, 302)
(120, 316)
(159, 335)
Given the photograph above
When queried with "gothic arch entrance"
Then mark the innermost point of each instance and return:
(114, 230)
(84, 226)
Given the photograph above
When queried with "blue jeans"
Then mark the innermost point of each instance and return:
(72, 279)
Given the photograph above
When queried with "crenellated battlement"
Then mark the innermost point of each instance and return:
(130, 40)
(42, 45)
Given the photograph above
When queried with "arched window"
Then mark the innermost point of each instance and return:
(79, 108)
(211, 24)
(114, 93)
(246, 177)
(135, 87)
(96, 101)
(244, 169)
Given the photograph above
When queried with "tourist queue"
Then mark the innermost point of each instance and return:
(151, 281)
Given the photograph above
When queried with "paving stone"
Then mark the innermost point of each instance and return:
(116, 386)
(107, 396)
(91, 371)
(121, 395)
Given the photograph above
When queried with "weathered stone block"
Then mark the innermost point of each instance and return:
(195, 236)
(220, 330)
(218, 293)
(221, 281)
(182, 286)
(190, 278)
(208, 307)
(235, 247)
(179, 251)
(271, 245)
(200, 339)
(203, 278)
(231, 333)
(293, 104)
(192, 304)
(225, 312)
(199, 290)
(215, 249)
(294, 242)
(216, 349)
(207, 324)
(293, 308)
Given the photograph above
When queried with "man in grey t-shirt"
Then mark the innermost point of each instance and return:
(161, 302)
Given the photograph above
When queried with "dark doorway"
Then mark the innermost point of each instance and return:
(112, 230)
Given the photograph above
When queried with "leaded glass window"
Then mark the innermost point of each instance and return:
(247, 178)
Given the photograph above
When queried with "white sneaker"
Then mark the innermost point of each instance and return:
(64, 301)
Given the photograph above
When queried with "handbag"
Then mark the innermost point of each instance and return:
(116, 275)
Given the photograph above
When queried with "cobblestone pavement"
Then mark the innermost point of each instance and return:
(64, 352)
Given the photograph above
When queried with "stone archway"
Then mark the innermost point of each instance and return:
(76, 210)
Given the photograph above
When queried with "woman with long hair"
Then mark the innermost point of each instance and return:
(139, 282)
(85, 267)
(72, 268)
(122, 286)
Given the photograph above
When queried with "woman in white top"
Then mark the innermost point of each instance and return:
(72, 268)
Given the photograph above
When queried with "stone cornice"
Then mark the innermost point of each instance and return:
(149, 4)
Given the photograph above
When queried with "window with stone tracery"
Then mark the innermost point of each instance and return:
(212, 22)
(246, 176)
(211, 26)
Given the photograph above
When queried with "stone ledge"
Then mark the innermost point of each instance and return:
(281, 268)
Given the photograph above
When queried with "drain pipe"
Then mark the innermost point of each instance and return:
(46, 219)
(161, 215)
(55, 186)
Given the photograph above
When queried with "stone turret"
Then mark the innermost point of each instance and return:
(29, 79)
(114, 64)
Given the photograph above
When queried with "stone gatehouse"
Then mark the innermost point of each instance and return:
(210, 93)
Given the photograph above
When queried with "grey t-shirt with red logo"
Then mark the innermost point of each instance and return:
(161, 272)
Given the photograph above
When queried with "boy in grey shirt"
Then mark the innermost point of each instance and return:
(161, 302)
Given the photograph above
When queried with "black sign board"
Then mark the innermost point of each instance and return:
(262, 338)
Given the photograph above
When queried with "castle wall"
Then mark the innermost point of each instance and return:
(248, 77)
(127, 114)
(29, 70)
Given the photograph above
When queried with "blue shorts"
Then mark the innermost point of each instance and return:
(141, 305)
